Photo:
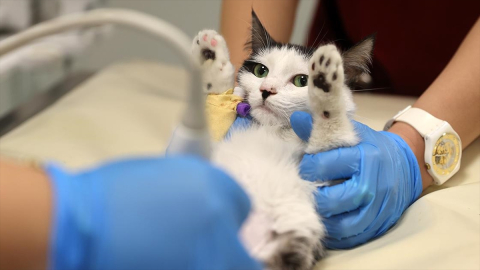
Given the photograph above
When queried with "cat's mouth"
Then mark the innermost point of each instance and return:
(265, 108)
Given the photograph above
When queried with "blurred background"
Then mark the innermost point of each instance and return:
(190, 16)
(48, 68)
(425, 31)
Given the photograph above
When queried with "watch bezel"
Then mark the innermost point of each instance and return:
(430, 144)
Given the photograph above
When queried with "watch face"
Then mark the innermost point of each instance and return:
(446, 154)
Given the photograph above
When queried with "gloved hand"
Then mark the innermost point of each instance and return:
(151, 213)
(240, 123)
(382, 181)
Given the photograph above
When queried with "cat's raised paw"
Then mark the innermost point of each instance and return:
(328, 97)
(326, 69)
(209, 45)
(209, 50)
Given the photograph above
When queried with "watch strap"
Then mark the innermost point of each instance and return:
(421, 120)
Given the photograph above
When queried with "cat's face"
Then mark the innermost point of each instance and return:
(275, 75)
(275, 80)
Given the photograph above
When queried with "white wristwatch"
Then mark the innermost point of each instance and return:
(443, 147)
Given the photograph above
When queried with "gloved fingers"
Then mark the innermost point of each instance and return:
(335, 164)
(352, 223)
(232, 195)
(363, 131)
(302, 124)
(217, 246)
(244, 261)
(371, 217)
(377, 228)
(342, 198)
(240, 259)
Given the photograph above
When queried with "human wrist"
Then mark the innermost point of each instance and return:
(417, 144)
(25, 210)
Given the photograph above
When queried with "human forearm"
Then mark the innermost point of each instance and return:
(25, 214)
(454, 97)
(277, 16)
(118, 211)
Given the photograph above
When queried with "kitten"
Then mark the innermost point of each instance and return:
(283, 230)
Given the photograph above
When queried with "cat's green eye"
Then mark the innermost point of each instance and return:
(260, 71)
(300, 80)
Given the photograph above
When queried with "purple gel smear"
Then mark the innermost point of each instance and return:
(243, 109)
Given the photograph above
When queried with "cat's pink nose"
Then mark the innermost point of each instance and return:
(267, 91)
(272, 90)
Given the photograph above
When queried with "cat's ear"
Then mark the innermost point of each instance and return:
(260, 38)
(357, 59)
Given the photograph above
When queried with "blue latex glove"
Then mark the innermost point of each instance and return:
(151, 213)
(383, 180)
(240, 123)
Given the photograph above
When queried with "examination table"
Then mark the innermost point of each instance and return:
(131, 109)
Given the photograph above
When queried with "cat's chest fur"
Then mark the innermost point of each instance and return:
(264, 161)
(252, 151)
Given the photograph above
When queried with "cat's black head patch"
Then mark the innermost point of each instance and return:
(261, 39)
(356, 60)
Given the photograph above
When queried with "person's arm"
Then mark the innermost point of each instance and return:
(278, 16)
(385, 172)
(25, 217)
(454, 97)
(142, 213)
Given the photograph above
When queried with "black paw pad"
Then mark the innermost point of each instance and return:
(209, 86)
(334, 76)
(326, 114)
(208, 54)
(321, 59)
(318, 254)
(320, 82)
(293, 260)
(328, 63)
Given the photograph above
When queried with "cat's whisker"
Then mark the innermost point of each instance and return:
(321, 29)
(313, 48)
(371, 89)
(337, 40)
(323, 37)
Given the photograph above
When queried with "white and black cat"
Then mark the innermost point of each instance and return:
(283, 230)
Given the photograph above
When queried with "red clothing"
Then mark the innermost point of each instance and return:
(415, 39)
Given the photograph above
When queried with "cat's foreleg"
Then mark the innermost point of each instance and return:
(329, 99)
(295, 239)
(210, 51)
